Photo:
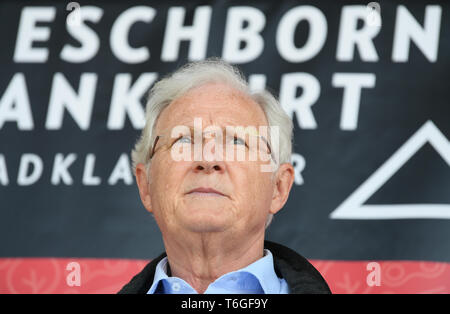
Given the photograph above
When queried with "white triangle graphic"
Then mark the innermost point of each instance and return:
(353, 208)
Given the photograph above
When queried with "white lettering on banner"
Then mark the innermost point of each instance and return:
(29, 33)
(352, 84)
(88, 39)
(353, 207)
(235, 34)
(350, 37)
(407, 29)
(121, 171)
(127, 100)
(60, 169)
(3, 171)
(257, 82)
(121, 30)
(298, 162)
(197, 33)
(88, 173)
(15, 104)
(31, 169)
(78, 105)
(316, 37)
(25, 161)
(301, 105)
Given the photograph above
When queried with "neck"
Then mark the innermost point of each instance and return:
(200, 259)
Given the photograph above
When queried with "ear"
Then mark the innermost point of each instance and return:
(283, 183)
(143, 185)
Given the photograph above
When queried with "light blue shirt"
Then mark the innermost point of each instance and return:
(257, 278)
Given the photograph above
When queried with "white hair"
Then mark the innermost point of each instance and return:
(195, 74)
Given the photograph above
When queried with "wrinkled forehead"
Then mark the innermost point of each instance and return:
(215, 105)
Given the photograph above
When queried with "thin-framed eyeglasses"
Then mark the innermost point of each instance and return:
(190, 137)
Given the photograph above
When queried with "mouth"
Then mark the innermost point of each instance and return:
(205, 192)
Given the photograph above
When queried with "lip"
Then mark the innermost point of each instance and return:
(205, 191)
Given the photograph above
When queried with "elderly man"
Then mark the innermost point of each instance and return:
(211, 206)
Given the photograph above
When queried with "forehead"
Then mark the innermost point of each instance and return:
(216, 104)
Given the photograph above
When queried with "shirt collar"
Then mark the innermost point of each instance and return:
(262, 269)
(160, 274)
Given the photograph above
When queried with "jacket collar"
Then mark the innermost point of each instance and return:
(300, 275)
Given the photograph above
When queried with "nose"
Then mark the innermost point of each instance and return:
(209, 166)
(208, 161)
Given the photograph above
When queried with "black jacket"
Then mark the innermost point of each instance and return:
(299, 274)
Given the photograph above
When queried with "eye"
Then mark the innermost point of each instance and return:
(238, 141)
(184, 140)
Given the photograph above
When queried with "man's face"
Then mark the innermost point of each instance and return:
(247, 191)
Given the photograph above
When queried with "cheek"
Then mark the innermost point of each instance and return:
(165, 184)
(167, 174)
(254, 189)
(263, 191)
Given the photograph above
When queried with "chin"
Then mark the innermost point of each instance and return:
(205, 228)
(206, 219)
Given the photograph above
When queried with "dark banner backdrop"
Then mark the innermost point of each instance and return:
(368, 94)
